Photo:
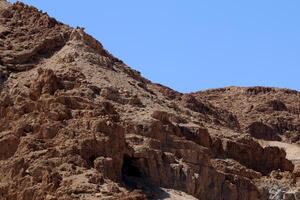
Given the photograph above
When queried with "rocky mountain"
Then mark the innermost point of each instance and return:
(78, 123)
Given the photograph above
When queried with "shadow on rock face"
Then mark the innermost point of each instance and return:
(260, 130)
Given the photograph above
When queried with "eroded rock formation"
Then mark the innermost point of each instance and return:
(77, 123)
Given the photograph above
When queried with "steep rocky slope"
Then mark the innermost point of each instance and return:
(77, 123)
(265, 113)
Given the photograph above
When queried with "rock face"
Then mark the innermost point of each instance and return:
(266, 113)
(260, 130)
(77, 123)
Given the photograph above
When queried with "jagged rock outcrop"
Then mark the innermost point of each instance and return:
(77, 123)
(260, 130)
(266, 113)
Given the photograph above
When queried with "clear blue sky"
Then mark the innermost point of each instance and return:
(193, 45)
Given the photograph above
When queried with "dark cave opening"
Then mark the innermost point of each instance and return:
(91, 160)
(130, 167)
(135, 177)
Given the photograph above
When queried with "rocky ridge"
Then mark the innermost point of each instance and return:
(78, 123)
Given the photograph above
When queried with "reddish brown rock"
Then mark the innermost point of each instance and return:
(8, 146)
(260, 130)
(77, 123)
